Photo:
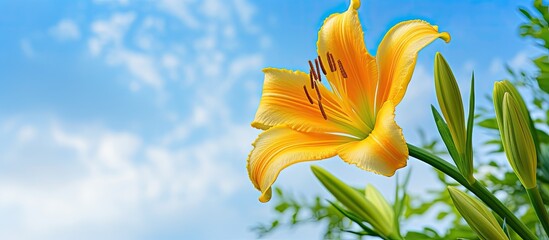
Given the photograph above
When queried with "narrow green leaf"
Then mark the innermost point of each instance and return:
(282, 207)
(445, 135)
(490, 123)
(470, 124)
(442, 215)
(355, 219)
(525, 13)
(356, 233)
(505, 228)
(400, 199)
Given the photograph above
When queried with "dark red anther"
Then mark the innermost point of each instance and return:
(322, 65)
(307, 93)
(333, 67)
(318, 71)
(322, 110)
(313, 70)
(318, 93)
(343, 73)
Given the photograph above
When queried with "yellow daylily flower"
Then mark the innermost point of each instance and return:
(304, 120)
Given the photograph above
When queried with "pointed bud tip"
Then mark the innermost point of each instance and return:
(438, 57)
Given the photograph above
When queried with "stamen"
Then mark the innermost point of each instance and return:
(333, 67)
(318, 71)
(318, 93)
(311, 77)
(322, 65)
(322, 110)
(307, 93)
(343, 73)
(312, 70)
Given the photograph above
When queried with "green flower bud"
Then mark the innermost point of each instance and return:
(385, 213)
(518, 142)
(372, 208)
(477, 215)
(451, 105)
(500, 88)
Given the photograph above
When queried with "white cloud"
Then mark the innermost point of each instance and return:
(140, 65)
(86, 178)
(496, 66)
(116, 177)
(520, 61)
(65, 30)
(149, 28)
(469, 66)
(111, 31)
(172, 64)
(120, 2)
(181, 10)
(26, 48)
(26, 134)
(245, 11)
(214, 9)
(415, 107)
(108, 40)
(242, 65)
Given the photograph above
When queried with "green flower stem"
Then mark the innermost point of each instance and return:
(395, 236)
(537, 202)
(477, 188)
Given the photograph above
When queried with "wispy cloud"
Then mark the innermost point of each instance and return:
(181, 10)
(114, 175)
(65, 30)
(141, 66)
(496, 66)
(109, 32)
(520, 61)
(102, 177)
(26, 48)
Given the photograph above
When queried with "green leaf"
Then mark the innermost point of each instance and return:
(400, 199)
(525, 13)
(543, 137)
(445, 135)
(543, 77)
(470, 125)
(355, 219)
(490, 123)
(442, 215)
(282, 207)
(278, 192)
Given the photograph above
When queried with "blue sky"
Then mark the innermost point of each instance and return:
(130, 119)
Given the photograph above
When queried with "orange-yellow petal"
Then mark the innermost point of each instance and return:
(284, 102)
(342, 36)
(279, 147)
(384, 150)
(397, 55)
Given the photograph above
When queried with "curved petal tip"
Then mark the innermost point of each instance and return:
(445, 36)
(355, 4)
(266, 195)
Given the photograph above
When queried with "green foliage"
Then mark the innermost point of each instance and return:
(537, 28)
(293, 212)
